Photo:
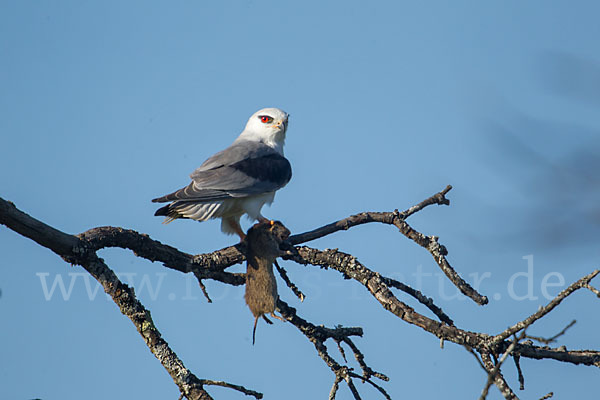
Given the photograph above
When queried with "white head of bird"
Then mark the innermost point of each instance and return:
(268, 126)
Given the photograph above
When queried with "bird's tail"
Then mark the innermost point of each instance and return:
(163, 211)
(168, 212)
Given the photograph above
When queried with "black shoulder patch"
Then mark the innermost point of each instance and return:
(272, 167)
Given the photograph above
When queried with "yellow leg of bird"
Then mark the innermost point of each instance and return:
(236, 228)
(240, 233)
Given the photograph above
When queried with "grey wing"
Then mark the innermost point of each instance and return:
(238, 151)
(241, 170)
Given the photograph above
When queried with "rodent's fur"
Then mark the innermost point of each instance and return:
(262, 242)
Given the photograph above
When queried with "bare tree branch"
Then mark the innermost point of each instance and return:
(367, 217)
(493, 374)
(75, 251)
(499, 380)
(318, 335)
(398, 219)
(350, 267)
(82, 250)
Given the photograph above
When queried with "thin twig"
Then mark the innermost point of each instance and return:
(426, 301)
(439, 253)
(370, 382)
(239, 388)
(341, 349)
(546, 309)
(350, 383)
(360, 358)
(494, 373)
(470, 350)
(517, 360)
(204, 291)
(438, 198)
(592, 289)
(335, 387)
(288, 282)
(497, 379)
(553, 338)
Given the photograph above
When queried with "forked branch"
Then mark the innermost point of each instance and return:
(81, 250)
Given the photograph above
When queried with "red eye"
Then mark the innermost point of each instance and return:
(265, 119)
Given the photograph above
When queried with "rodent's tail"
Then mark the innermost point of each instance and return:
(254, 330)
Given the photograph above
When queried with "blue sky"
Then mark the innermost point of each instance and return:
(106, 105)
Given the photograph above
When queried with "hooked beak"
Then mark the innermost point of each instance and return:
(282, 125)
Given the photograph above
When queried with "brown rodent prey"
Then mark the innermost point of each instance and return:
(263, 241)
